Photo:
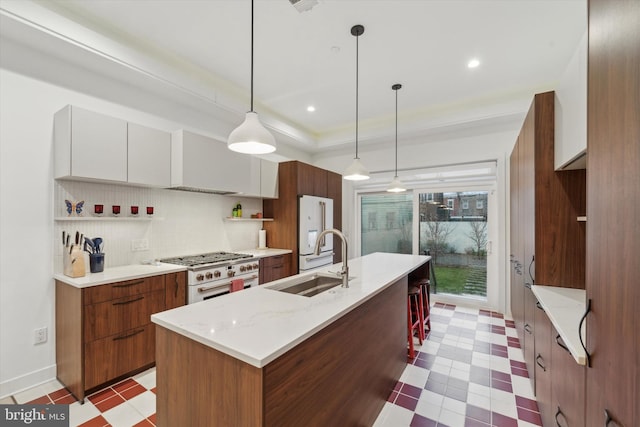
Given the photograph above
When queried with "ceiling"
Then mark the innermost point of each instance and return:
(202, 49)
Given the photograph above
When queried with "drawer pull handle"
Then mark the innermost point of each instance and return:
(584, 316)
(527, 285)
(558, 413)
(539, 305)
(129, 284)
(527, 328)
(139, 331)
(538, 359)
(129, 302)
(561, 344)
(608, 420)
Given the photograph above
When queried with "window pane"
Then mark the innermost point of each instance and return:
(387, 223)
(453, 229)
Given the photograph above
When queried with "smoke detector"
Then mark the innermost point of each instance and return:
(303, 5)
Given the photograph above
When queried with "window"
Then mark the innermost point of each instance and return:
(450, 203)
(465, 204)
(479, 204)
(386, 224)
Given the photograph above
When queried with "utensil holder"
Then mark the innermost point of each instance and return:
(74, 263)
(96, 262)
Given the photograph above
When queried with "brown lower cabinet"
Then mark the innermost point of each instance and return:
(544, 365)
(104, 332)
(274, 268)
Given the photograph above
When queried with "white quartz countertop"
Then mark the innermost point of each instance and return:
(565, 307)
(263, 253)
(119, 274)
(259, 324)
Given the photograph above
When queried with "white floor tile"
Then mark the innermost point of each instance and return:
(464, 346)
(415, 376)
(6, 401)
(500, 364)
(525, 424)
(504, 408)
(480, 359)
(123, 415)
(395, 416)
(441, 368)
(431, 398)
(480, 401)
(78, 413)
(480, 390)
(430, 347)
(30, 394)
(503, 396)
(511, 332)
(465, 367)
(145, 403)
(428, 410)
(147, 379)
(51, 386)
(454, 405)
(461, 375)
(522, 386)
(451, 418)
(515, 354)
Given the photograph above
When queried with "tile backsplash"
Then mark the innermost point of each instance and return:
(183, 223)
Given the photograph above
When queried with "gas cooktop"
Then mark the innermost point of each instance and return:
(208, 258)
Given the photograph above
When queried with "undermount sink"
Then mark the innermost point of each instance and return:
(308, 286)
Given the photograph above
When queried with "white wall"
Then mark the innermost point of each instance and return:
(30, 246)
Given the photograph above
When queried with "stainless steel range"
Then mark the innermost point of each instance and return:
(210, 274)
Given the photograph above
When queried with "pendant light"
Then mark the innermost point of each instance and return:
(251, 137)
(356, 171)
(396, 186)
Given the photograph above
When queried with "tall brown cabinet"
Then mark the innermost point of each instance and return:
(296, 179)
(547, 241)
(613, 211)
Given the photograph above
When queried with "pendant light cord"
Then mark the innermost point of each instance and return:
(252, 55)
(396, 132)
(357, 54)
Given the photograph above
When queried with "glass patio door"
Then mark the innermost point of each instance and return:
(455, 227)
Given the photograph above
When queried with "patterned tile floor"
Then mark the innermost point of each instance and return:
(469, 372)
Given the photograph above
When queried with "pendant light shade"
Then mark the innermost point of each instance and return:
(356, 171)
(251, 137)
(396, 186)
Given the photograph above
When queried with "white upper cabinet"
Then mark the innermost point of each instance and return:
(202, 163)
(90, 145)
(571, 113)
(149, 156)
(268, 179)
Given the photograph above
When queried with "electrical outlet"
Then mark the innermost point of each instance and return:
(139, 245)
(40, 335)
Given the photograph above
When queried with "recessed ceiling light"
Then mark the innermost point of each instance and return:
(311, 108)
(473, 63)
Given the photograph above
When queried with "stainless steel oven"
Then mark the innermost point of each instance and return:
(210, 275)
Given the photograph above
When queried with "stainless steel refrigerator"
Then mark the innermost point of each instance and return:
(315, 214)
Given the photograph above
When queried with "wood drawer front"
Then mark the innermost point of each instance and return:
(274, 261)
(112, 317)
(123, 289)
(119, 354)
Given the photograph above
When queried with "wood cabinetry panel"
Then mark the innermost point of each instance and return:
(175, 290)
(110, 317)
(124, 289)
(545, 369)
(274, 268)
(568, 386)
(114, 356)
(613, 208)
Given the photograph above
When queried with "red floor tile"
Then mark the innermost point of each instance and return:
(501, 385)
(392, 397)
(144, 423)
(502, 376)
(124, 385)
(66, 400)
(529, 416)
(420, 421)
(133, 391)
(520, 372)
(407, 402)
(499, 420)
(98, 421)
(109, 403)
(153, 390)
(43, 400)
(58, 394)
(523, 402)
(152, 418)
(102, 395)
(410, 390)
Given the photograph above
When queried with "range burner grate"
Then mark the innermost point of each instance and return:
(208, 258)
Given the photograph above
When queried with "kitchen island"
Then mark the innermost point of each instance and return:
(263, 357)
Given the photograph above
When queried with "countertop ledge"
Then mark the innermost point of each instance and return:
(565, 307)
(137, 271)
(119, 274)
(260, 324)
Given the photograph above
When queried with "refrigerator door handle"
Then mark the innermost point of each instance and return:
(323, 215)
(322, 255)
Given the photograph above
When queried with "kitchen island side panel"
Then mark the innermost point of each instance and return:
(69, 342)
(344, 374)
(199, 386)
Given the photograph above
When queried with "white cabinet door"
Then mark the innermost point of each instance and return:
(202, 163)
(90, 145)
(149, 156)
(268, 179)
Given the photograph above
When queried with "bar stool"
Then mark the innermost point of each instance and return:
(425, 286)
(415, 319)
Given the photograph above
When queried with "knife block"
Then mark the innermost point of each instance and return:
(74, 265)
